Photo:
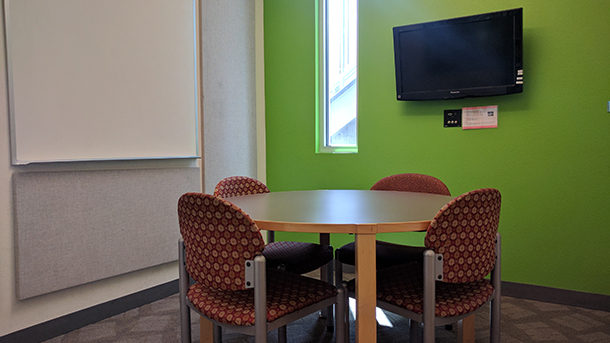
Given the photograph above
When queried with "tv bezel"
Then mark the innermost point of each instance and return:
(459, 93)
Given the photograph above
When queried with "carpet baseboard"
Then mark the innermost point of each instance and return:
(62, 325)
(70, 322)
(556, 296)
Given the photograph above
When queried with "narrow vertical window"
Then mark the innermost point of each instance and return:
(338, 67)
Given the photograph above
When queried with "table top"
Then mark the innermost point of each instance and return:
(352, 211)
(362, 212)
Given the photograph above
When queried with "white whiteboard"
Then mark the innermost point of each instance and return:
(101, 79)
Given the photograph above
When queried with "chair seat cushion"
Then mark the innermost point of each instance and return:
(286, 293)
(297, 257)
(388, 254)
(403, 286)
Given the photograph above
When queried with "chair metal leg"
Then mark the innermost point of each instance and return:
(494, 320)
(338, 272)
(413, 331)
(429, 295)
(494, 309)
(330, 321)
(338, 282)
(185, 311)
(345, 317)
(323, 277)
(281, 334)
(340, 317)
(260, 299)
(217, 332)
(326, 274)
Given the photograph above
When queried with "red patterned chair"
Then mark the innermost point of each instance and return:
(463, 246)
(295, 257)
(411, 182)
(221, 249)
(390, 254)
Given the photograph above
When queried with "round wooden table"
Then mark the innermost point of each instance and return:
(361, 212)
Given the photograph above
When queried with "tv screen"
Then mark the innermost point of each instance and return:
(480, 55)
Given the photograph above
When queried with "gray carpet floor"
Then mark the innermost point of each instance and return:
(522, 321)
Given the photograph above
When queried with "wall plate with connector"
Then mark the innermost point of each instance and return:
(452, 118)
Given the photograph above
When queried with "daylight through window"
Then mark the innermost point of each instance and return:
(339, 62)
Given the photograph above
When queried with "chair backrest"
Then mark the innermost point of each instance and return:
(239, 185)
(218, 238)
(464, 231)
(411, 182)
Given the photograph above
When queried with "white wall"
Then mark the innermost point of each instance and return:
(229, 148)
(228, 76)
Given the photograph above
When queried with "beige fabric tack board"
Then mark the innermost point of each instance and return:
(76, 227)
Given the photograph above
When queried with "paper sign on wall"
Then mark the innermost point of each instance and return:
(479, 117)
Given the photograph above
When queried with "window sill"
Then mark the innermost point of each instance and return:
(337, 150)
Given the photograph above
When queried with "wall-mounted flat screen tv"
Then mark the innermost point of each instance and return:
(479, 55)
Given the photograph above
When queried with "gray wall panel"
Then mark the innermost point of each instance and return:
(76, 227)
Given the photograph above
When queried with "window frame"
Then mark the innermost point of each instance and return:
(322, 101)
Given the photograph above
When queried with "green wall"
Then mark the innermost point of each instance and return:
(549, 155)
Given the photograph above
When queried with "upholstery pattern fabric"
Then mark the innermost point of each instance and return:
(294, 257)
(412, 182)
(464, 231)
(239, 185)
(403, 286)
(297, 257)
(387, 254)
(218, 238)
(286, 293)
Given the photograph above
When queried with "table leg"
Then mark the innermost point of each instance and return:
(325, 240)
(366, 288)
(466, 330)
(326, 274)
(206, 331)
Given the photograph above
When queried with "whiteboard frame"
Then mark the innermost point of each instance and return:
(192, 130)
